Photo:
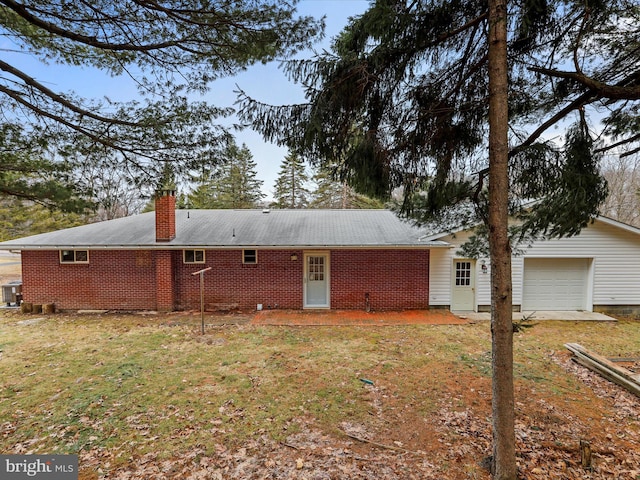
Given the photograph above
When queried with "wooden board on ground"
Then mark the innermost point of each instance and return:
(605, 367)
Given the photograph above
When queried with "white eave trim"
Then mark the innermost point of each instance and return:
(421, 246)
(618, 224)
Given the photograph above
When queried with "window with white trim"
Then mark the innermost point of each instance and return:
(74, 256)
(193, 256)
(249, 256)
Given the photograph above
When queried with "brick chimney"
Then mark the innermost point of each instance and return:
(165, 215)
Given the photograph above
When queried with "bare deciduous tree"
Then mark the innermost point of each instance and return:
(623, 176)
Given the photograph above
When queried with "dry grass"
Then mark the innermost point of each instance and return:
(132, 393)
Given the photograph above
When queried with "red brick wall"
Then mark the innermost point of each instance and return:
(165, 288)
(111, 280)
(394, 279)
(274, 280)
(138, 280)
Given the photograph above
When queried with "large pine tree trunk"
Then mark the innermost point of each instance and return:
(504, 463)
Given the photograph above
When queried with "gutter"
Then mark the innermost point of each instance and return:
(19, 248)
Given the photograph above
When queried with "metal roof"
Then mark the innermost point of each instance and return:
(240, 229)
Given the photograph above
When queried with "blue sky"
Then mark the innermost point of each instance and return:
(266, 83)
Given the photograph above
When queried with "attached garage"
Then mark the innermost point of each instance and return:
(555, 284)
(596, 270)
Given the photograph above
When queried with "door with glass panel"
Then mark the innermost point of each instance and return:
(316, 280)
(463, 294)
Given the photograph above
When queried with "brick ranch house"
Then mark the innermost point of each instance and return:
(289, 259)
(296, 259)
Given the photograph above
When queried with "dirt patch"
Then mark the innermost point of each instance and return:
(356, 317)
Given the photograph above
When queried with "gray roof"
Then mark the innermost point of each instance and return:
(239, 229)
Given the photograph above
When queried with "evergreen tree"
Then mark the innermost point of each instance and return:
(209, 168)
(21, 218)
(504, 465)
(27, 173)
(290, 188)
(238, 186)
(202, 196)
(170, 49)
(233, 184)
(402, 101)
(330, 193)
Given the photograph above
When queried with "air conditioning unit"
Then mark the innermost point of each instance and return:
(12, 292)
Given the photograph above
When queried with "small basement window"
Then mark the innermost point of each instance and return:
(193, 256)
(250, 256)
(74, 256)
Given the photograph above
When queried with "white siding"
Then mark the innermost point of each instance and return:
(483, 283)
(441, 268)
(614, 275)
(440, 276)
(517, 271)
(616, 261)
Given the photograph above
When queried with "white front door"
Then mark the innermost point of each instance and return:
(316, 280)
(463, 294)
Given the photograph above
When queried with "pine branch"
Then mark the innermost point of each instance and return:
(53, 29)
(31, 82)
(576, 104)
(620, 91)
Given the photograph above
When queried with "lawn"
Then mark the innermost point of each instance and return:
(147, 396)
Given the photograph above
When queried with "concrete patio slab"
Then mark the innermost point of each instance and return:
(574, 315)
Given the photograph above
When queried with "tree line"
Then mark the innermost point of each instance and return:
(233, 183)
(228, 183)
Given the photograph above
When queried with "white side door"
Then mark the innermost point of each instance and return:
(463, 289)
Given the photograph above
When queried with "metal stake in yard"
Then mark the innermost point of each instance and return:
(201, 273)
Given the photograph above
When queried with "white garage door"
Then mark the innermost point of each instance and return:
(555, 283)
